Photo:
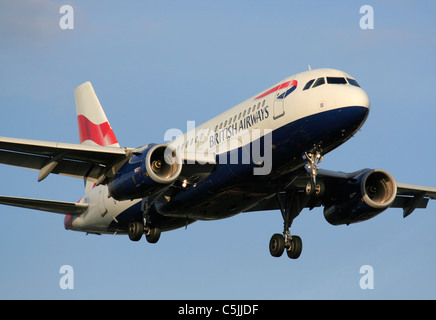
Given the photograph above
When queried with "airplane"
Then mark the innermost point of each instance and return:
(262, 154)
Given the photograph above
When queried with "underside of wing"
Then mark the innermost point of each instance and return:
(74, 160)
(411, 197)
(414, 190)
(45, 205)
(336, 184)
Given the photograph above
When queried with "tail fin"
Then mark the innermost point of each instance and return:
(94, 128)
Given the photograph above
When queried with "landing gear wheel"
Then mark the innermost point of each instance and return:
(295, 248)
(277, 245)
(310, 188)
(136, 229)
(153, 235)
(319, 188)
(313, 189)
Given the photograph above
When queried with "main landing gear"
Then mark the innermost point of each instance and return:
(291, 204)
(137, 228)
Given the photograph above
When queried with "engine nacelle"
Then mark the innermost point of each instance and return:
(151, 168)
(361, 198)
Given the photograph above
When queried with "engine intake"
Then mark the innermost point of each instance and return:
(361, 198)
(151, 169)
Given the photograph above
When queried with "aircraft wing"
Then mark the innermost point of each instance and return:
(409, 197)
(45, 205)
(414, 190)
(74, 160)
(96, 163)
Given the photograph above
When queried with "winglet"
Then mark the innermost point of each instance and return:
(94, 127)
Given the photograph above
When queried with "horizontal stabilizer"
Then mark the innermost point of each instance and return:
(45, 205)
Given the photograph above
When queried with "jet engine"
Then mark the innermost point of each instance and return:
(148, 171)
(361, 198)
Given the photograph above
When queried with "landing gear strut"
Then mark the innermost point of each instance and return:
(314, 187)
(290, 207)
(152, 234)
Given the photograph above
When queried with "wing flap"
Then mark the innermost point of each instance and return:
(45, 205)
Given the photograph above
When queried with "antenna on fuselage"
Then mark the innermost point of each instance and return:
(310, 68)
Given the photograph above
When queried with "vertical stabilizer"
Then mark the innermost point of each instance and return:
(94, 128)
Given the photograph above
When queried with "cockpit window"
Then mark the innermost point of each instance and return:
(318, 82)
(353, 82)
(307, 86)
(330, 80)
(336, 80)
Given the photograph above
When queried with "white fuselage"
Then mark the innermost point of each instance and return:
(282, 104)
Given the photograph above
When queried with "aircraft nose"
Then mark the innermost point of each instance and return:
(362, 99)
(352, 97)
(352, 104)
(358, 98)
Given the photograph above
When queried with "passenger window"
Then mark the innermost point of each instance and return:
(240, 114)
(249, 109)
(221, 125)
(230, 120)
(216, 128)
(245, 111)
(353, 82)
(307, 86)
(336, 80)
(263, 103)
(319, 82)
(225, 123)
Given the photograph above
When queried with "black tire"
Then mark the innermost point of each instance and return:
(136, 229)
(320, 189)
(294, 251)
(153, 235)
(277, 245)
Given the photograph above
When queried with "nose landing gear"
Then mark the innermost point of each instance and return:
(314, 187)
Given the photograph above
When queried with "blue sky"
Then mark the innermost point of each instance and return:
(157, 64)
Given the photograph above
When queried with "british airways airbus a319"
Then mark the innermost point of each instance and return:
(262, 154)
